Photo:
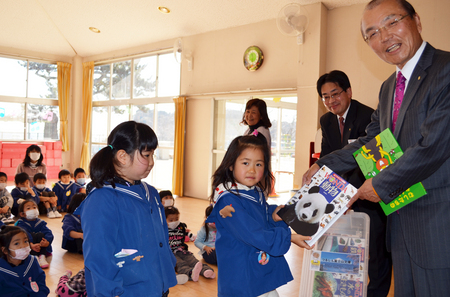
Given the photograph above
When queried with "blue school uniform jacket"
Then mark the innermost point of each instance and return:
(127, 217)
(27, 279)
(36, 226)
(17, 193)
(71, 222)
(65, 193)
(242, 238)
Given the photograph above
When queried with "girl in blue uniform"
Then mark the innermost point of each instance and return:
(126, 244)
(20, 274)
(251, 243)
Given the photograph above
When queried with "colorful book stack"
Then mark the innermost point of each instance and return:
(378, 154)
(337, 266)
(13, 153)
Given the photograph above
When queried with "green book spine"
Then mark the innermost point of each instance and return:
(378, 154)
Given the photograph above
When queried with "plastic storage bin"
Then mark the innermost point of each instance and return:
(338, 264)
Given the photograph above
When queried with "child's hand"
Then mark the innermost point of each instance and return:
(4, 209)
(35, 247)
(30, 190)
(300, 241)
(275, 216)
(44, 242)
(208, 249)
(226, 211)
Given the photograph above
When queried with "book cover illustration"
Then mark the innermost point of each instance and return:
(378, 154)
(315, 207)
(342, 244)
(327, 284)
(335, 262)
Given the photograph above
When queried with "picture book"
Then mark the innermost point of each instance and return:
(378, 154)
(328, 284)
(315, 207)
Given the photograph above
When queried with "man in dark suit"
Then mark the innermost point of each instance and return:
(419, 233)
(335, 90)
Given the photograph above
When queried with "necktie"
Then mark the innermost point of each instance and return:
(341, 127)
(399, 92)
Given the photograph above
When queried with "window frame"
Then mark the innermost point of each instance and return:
(28, 100)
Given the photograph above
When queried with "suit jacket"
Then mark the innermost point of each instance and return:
(358, 117)
(422, 132)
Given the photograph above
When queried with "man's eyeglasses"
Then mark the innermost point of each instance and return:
(388, 25)
(336, 95)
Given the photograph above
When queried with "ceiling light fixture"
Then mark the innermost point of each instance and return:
(164, 9)
(95, 30)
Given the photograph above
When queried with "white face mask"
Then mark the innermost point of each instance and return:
(81, 181)
(41, 186)
(2, 186)
(173, 225)
(35, 156)
(21, 254)
(32, 214)
(23, 189)
(168, 202)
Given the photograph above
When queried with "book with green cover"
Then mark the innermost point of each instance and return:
(378, 154)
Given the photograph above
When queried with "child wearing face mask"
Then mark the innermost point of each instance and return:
(65, 189)
(186, 261)
(22, 192)
(206, 239)
(6, 200)
(39, 234)
(167, 198)
(32, 163)
(47, 197)
(20, 273)
(80, 179)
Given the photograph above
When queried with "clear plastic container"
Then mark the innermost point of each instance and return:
(338, 264)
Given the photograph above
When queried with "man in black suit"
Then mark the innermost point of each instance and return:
(336, 93)
(415, 103)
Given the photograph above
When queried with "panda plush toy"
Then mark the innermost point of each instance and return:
(304, 216)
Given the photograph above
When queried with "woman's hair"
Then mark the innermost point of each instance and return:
(75, 202)
(208, 211)
(27, 159)
(128, 136)
(22, 205)
(6, 235)
(169, 210)
(262, 107)
(223, 174)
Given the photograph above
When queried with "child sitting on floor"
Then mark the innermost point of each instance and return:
(22, 192)
(6, 200)
(46, 196)
(39, 234)
(206, 239)
(73, 235)
(186, 262)
(65, 189)
(20, 274)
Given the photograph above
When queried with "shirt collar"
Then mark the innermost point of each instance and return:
(123, 182)
(411, 64)
(345, 113)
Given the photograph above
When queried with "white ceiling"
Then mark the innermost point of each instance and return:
(61, 27)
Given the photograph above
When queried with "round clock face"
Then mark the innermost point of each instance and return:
(253, 58)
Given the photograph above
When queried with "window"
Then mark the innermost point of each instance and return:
(28, 100)
(139, 89)
(282, 113)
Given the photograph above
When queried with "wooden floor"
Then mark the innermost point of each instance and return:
(192, 213)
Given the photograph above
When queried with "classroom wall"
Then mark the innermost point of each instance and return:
(333, 41)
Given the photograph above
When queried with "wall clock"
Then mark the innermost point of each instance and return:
(253, 58)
